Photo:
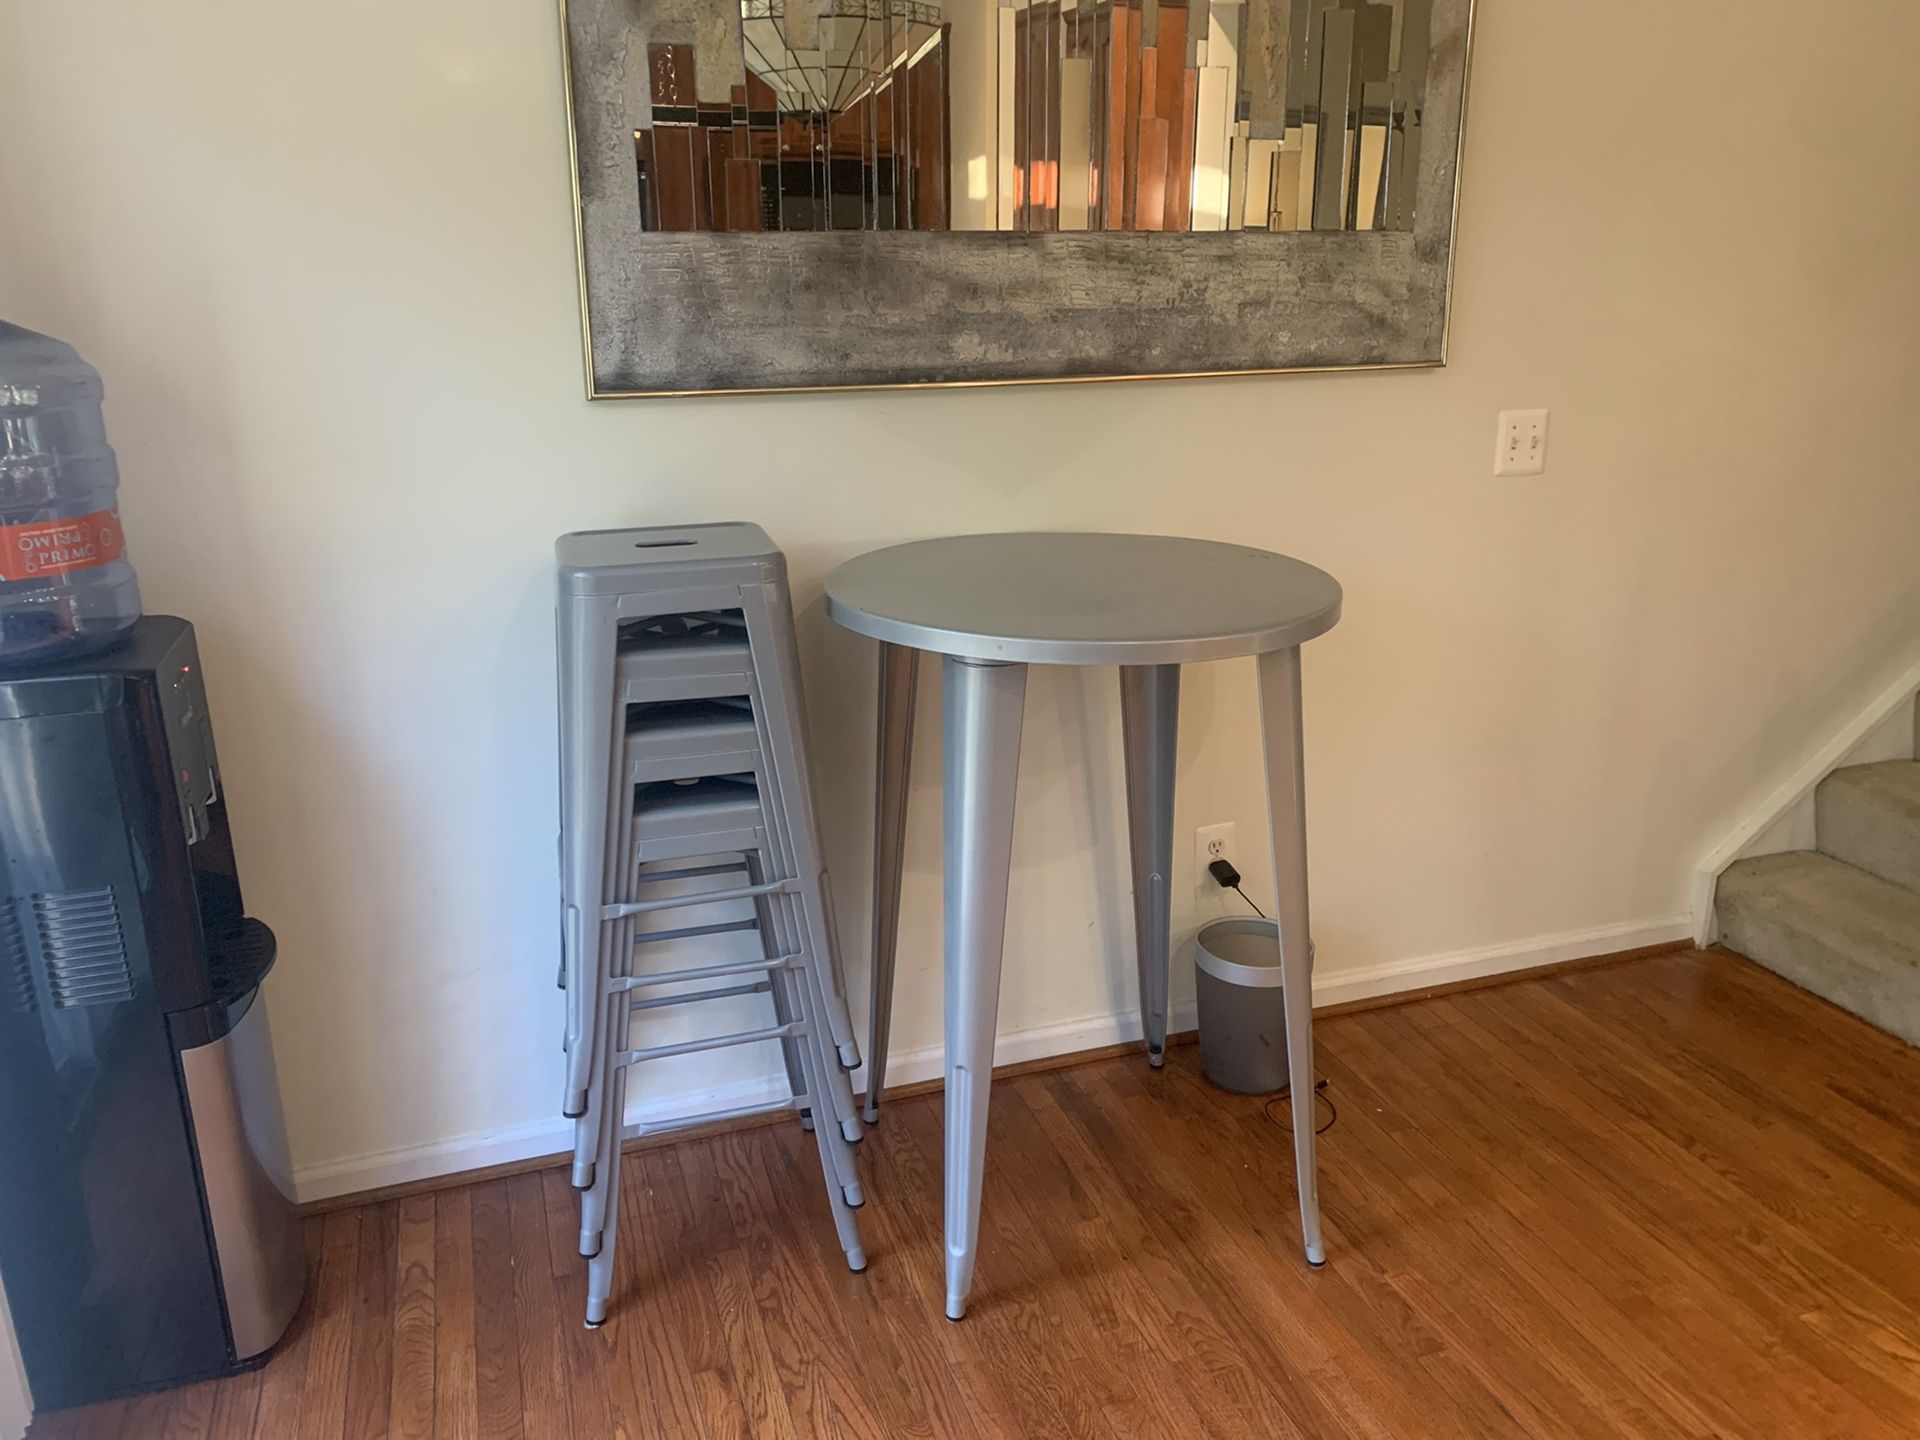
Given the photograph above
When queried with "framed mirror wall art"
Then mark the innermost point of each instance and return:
(802, 194)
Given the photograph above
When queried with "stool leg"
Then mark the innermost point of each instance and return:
(899, 684)
(776, 659)
(616, 960)
(983, 705)
(783, 1007)
(842, 1174)
(589, 788)
(586, 1138)
(816, 939)
(1150, 720)
(841, 1198)
(813, 1065)
(600, 1264)
(1287, 815)
(608, 1128)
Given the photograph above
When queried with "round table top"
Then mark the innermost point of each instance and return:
(1083, 599)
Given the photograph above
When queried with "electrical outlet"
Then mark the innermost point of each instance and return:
(1211, 843)
(1521, 448)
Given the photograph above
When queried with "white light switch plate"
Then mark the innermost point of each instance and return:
(1521, 447)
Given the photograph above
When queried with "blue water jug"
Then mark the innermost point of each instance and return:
(65, 584)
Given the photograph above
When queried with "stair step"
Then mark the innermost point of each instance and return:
(1869, 816)
(1848, 936)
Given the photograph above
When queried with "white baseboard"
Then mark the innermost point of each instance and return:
(1782, 819)
(550, 1137)
(1370, 981)
(526, 1142)
(459, 1153)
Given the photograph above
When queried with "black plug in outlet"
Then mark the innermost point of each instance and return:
(1228, 878)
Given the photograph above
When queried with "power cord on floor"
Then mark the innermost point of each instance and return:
(1228, 878)
(1285, 1097)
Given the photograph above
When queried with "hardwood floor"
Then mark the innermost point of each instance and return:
(1674, 1197)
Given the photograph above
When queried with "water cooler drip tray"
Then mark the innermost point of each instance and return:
(239, 959)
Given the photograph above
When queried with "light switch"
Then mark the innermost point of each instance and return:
(1521, 447)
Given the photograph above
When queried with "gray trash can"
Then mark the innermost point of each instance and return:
(1243, 1020)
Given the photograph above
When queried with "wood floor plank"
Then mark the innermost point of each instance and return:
(1586, 1272)
(1784, 1244)
(410, 1405)
(455, 1393)
(370, 1361)
(543, 1364)
(1134, 1292)
(1295, 1302)
(724, 1268)
(145, 1417)
(105, 1421)
(498, 1410)
(324, 1405)
(649, 1340)
(1531, 1251)
(672, 1241)
(1569, 1178)
(189, 1415)
(1371, 1309)
(735, 1354)
(584, 1352)
(237, 1407)
(1674, 1197)
(283, 1387)
(1004, 1324)
(1647, 1209)
(824, 1378)
(904, 1206)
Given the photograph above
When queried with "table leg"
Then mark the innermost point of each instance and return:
(983, 704)
(899, 684)
(1149, 722)
(1287, 815)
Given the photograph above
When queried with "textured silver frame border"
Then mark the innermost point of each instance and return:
(727, 314)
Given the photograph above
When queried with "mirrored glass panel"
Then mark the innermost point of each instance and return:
(1028, 115)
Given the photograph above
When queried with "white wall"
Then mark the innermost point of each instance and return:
(16, 1406)
(324, 256)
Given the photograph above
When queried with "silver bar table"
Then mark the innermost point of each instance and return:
(992, 605)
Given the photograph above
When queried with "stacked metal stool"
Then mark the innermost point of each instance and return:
(684, 786)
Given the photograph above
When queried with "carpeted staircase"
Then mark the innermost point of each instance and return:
(1842, 920)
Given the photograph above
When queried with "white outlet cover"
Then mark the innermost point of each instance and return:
(1227, 838)
(1520, 446)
